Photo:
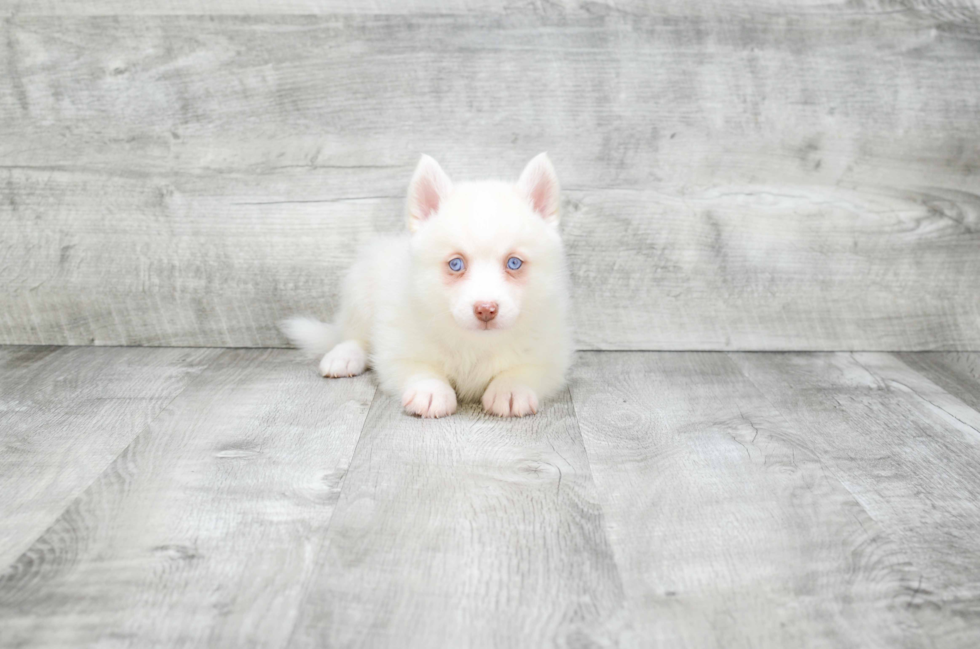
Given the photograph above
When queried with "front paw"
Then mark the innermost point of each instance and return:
(429, 398)
(506, 399)
(346, 359)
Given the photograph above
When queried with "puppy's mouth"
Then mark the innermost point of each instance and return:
(492, 325)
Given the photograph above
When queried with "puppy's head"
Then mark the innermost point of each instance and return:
(486, 254)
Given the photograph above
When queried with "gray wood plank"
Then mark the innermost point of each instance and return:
(203, 532)
(65, 414)
(956, 373)
(467, 531)
(727, 529)
(774, 268)
(909, 452)
(280, 7)
(952, 9)
(728, 187)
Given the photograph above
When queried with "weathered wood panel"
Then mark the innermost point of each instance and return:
(761, 178)
(65, 414)
(776, 268)
(956, 373)
(951, 9)
(909, 453)
(727, 529)
(468, 531)
(301, 7)
(147, 269)
(204, 530)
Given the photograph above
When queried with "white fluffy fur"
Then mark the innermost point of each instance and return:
(403, 307)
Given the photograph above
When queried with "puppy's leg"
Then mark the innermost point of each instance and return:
(425, 392)
(350, 356)
(514, 392)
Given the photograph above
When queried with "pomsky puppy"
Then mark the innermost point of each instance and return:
(471, 303)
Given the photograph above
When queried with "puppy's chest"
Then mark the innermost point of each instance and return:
(471, 370)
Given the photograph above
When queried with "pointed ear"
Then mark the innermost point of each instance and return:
(539, 185)
(429, 188)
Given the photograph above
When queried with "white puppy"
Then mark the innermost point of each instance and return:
(471, 303)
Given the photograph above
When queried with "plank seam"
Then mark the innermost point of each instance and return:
(109, 465)
(305, 591)
(627, 602)
(830, 471)
(920, 396)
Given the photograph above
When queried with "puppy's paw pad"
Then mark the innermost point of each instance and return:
(506, 400)
(429, 398)
(346, 359)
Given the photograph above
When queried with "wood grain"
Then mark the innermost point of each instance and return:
(909, 452)
(739, 176)
(951, 9)
(774, 268)
(956, 373)
(65, 414)
(741, 500)
(204, 530)
(467, 531)
(726, 526)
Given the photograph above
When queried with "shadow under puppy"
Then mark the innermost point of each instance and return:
(471, 303)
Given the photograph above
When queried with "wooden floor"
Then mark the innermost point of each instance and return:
(232, 498)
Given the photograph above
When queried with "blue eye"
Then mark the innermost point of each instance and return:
(455, 264)
(514, 263)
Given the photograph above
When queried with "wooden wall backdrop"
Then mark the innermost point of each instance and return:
(738, 175)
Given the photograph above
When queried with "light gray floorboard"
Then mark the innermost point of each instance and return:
(467, 531)
(65, 414)
(673, 499)
(743, 175)
(203, 531)
(727, 528)
(957, 373)
(951, 9)
(910, 453)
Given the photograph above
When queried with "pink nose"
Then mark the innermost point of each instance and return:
(485, 311)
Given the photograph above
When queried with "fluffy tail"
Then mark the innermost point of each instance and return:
(312, 336)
